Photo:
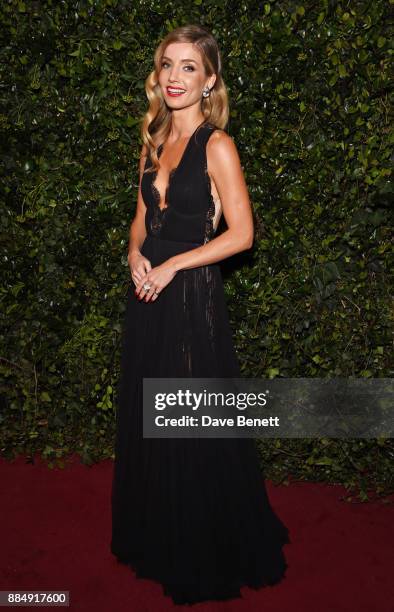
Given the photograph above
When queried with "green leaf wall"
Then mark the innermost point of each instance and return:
(310, 95)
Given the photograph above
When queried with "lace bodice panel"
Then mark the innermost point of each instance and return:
(188, 212)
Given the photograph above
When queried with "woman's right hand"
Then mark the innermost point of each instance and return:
(139, 266)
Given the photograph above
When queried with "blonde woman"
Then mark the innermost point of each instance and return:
(190, 513)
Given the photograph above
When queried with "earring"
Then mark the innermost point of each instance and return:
(205, 92)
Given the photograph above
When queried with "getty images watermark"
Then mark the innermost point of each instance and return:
(267, 408)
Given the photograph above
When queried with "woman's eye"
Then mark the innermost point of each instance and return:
(164, 64)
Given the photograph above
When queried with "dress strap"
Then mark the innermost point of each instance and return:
(204, 132)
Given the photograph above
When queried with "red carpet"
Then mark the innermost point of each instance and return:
(56, 535)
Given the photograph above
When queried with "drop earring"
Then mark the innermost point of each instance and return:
(206, 92)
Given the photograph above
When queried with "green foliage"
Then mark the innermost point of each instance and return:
(309, 96)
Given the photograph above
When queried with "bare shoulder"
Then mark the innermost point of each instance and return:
(221, 147)
(219, 139)
(222, 155)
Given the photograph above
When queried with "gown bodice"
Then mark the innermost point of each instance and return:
(190, 207)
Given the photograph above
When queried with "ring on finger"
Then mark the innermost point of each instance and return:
(152, 294)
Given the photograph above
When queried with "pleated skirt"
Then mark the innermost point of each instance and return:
(190, 513)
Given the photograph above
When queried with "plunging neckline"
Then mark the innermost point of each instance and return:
(171, 173)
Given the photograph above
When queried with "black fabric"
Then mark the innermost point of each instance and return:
(192, 514)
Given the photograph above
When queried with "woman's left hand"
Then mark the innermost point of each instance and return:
(157, 278)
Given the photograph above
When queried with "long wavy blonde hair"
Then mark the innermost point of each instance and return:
(156, 123)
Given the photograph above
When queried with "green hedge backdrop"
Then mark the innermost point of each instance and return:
(309, 96)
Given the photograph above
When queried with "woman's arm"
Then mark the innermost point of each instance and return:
(225, 168)
(137, 228)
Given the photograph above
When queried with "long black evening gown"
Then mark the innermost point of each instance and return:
(192, 514)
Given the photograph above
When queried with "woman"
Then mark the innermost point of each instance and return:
(192, 514)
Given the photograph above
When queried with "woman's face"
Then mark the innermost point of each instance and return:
(182, 75)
